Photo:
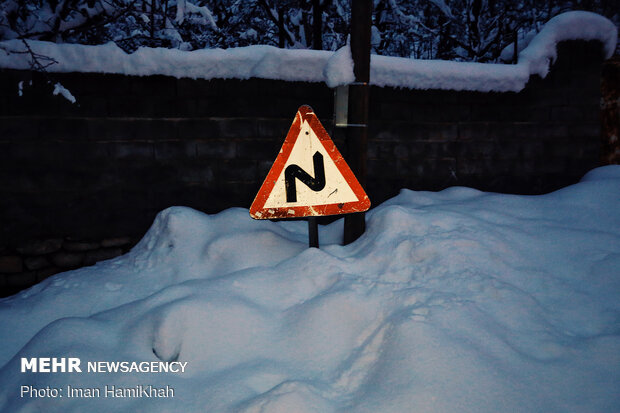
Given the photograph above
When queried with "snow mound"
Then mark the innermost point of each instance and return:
(456, 301)
(333, 68)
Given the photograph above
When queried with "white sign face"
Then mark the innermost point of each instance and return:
(309, 176)
(335, 188)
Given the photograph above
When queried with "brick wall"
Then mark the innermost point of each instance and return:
(532, 142)
(102, 168)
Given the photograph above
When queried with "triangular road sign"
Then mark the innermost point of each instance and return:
(309, 177)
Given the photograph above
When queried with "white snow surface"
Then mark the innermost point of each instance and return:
(59, 89)
(333, 68)
(568, 26)
(452, 301)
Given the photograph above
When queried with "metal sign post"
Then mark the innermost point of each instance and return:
(313, 233)
(357, 129)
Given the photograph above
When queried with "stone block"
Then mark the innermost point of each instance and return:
(240, 194)
(36, 263)
(40, 247)
(566, 113)
(131, 150)
(552, 166)
(477, 150)
(488, 113)
(406, 131)
(5, 152)
(442, 132)
(116, 242)
(67, 260)
(524, 130)
(258, 150)
(220, 149)
(448, 113)
(469, 167)
(122, 105)
(113, 129)
(196, 172)
(91, 106)
(164, 108)
(394, 111)
(525, 167)
(198, 107)
(157, 129)
(275, 129)
(380, 133)
(554, 130)
(54, 154)
(175, 150)
(79, 246)
(533, 149)
(539, 113)
(10, 264)
(19, 128)
(238, 128)
(473, 131)
(401, 151)
(500, 131)
(201, 129)
(237, 170)
(441, 150)
(380, 149)
(380, 169)
(63, 129)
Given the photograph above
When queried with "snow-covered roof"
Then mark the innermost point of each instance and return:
(333, 68)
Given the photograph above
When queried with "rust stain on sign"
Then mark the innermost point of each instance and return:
(309, 176)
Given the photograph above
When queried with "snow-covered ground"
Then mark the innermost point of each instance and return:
(456, 301)
(333, 68)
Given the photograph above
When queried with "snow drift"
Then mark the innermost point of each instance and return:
(456, 301)
(333, 68)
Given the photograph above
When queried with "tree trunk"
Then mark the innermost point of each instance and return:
(152, 31)
(281, 32)
(317, 25)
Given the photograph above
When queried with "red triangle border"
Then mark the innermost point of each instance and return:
(257, 210)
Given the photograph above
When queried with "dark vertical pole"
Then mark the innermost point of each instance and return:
(515, 51)
(313, 233)
(317, 25)
(281, 39)
(152, 28)
(357, 131)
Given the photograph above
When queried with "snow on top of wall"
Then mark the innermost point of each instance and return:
(486, 77)
(320, 66)
(235, 63)
(576, 25)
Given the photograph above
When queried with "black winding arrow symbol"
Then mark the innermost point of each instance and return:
(294, 171)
